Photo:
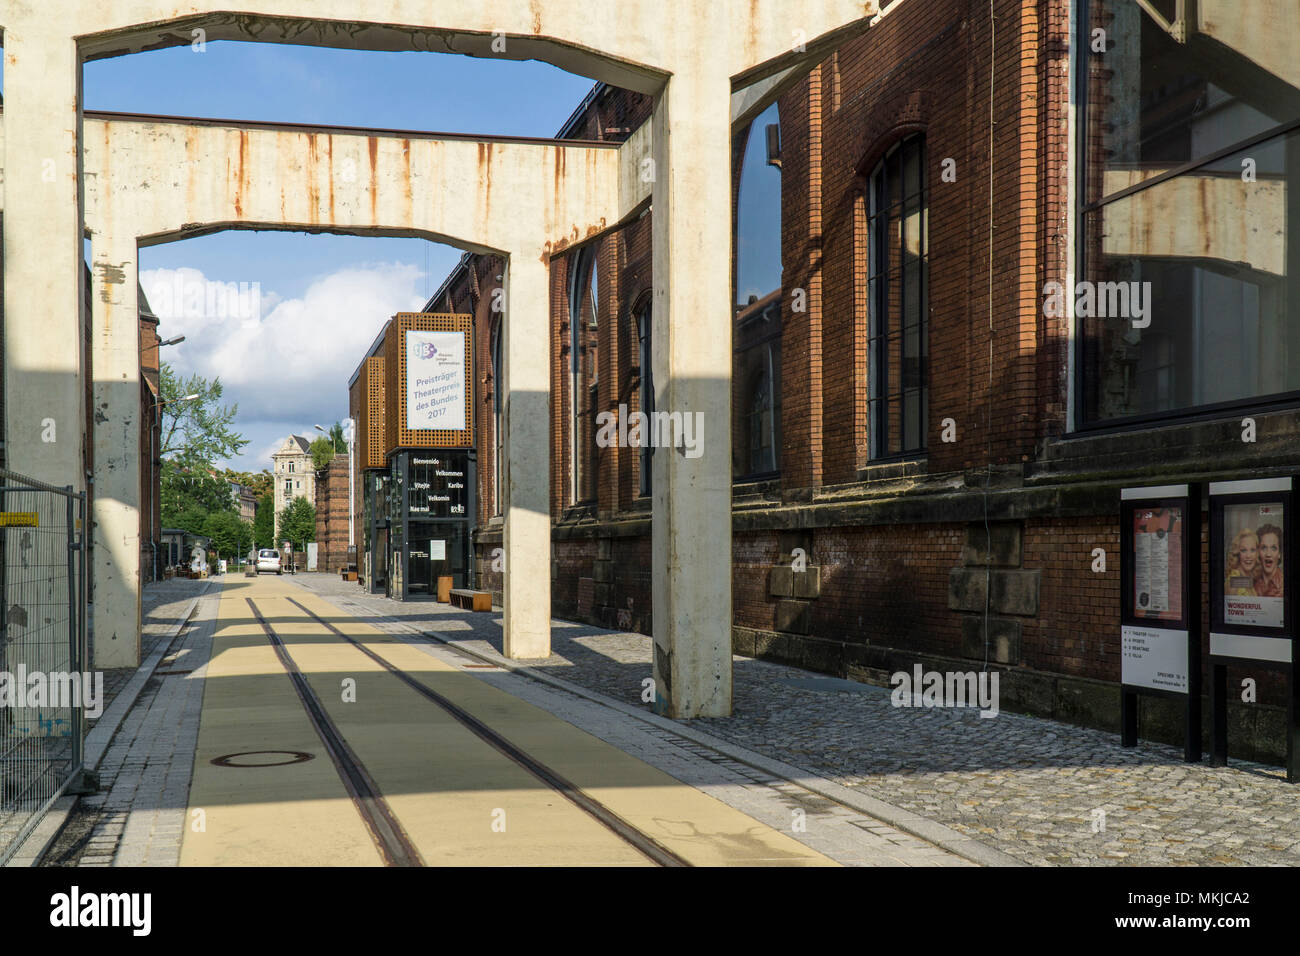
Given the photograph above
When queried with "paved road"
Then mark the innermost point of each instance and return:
(384, 749)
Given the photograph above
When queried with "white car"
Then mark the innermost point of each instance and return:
(268, 559)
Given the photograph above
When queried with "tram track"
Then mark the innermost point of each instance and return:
(646, 845)
(389, 836)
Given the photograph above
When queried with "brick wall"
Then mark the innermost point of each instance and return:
(900, 566)
(332, 515)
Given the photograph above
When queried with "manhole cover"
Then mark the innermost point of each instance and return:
(258, 758)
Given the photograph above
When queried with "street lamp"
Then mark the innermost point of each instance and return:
(175, 340)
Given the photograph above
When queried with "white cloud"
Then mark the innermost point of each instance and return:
(290, 360)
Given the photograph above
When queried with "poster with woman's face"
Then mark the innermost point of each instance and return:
(1158, 564)
(1252, 565)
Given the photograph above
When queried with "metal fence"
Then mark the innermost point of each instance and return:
(45, 685)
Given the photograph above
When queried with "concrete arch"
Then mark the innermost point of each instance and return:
(693, 54)
(151, 180)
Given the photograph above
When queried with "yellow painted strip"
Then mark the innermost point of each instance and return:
(699, 828)
(19, 519)
(297, 814)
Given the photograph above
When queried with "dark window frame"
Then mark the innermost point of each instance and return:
(1082, 424)
(583, 287)
(880, 323)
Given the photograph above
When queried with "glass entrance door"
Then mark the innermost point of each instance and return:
(437, 549)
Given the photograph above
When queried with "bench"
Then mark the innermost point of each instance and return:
(471, 600)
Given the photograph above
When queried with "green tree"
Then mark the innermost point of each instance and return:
(336, 438)
(198, 432)
(264, 521)
(231, 536)
(322, 452)
(298, 523)
(188, 495)
(261, 482)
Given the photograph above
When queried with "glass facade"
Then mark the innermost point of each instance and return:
(423, 534)
(756, 331)
(897, 302)
(1187, 299)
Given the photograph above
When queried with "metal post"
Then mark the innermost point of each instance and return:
(1292, 715)
(1219, 714)
(76, 663)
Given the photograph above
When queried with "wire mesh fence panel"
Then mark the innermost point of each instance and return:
(45, 687)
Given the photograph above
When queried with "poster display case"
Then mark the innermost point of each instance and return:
(1160, 603)
(1251, 611)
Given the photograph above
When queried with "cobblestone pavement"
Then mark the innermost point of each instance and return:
(1045, 792)
(137, 817)
(163, 605)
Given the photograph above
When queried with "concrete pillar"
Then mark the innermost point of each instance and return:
(526, 500)
(691, 346)
(116, 416)
(43, 394)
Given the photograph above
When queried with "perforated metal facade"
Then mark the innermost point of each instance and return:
(397, 434)
(371, 438)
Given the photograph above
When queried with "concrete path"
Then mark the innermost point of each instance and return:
(219, 691)
(455, 798)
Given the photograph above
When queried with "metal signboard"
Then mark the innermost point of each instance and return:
(1160, 604)
(435, 380)
(1251, 608)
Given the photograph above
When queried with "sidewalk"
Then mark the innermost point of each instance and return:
(144, 770)
(1026, 786)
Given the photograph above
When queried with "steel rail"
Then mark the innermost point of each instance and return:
(390, 837)
(644, 843)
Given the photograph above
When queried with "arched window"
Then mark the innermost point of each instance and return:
(498, 401)
(756, 334)
(583, 374)
(897, 302)
(646, 392)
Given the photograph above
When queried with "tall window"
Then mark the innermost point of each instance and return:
(1190, 172)
(647, 392)
(756, 331)
(498, 438)
(583, 374)
(897, 302)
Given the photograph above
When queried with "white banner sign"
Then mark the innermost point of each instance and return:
(435, 380)
(1155, 658)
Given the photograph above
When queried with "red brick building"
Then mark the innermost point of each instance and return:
(944, 447)
(332, 515)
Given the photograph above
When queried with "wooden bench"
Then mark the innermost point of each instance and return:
(471, 600)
